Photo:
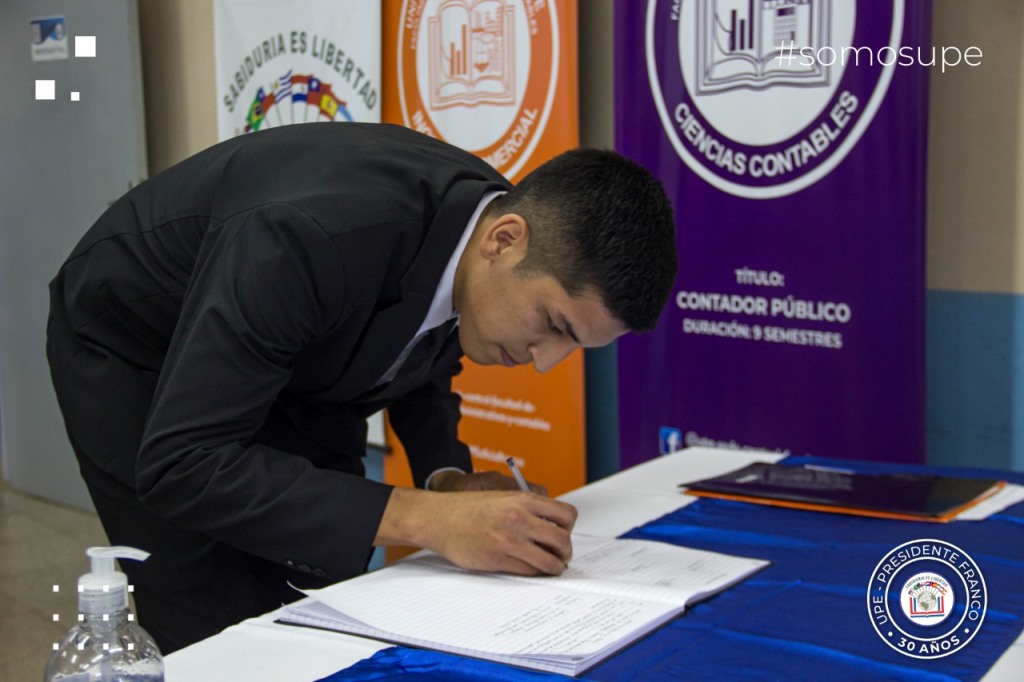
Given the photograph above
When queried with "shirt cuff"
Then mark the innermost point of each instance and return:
(426, 485)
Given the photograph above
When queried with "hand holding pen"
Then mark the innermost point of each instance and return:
(489, 526)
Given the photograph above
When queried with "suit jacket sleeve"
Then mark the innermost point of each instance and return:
(266, 285)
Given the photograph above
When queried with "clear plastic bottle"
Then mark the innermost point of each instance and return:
(106, 645)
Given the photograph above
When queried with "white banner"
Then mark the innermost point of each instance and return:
(280, 63)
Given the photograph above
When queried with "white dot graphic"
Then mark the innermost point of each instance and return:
(46, 89)
(85, 46)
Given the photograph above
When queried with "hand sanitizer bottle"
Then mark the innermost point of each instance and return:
(107, 645)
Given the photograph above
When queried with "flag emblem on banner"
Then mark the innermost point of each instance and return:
(295, 98)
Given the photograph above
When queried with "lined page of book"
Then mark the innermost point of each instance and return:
(486, 612)
(651, 570)
(614, 591)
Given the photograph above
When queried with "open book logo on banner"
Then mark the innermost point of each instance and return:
(762, 98)
(738, 44)
(480, 74)
(471, 52)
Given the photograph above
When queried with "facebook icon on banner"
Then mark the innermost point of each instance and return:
(669, 440)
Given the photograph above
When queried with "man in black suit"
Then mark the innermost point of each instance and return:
(219, 336)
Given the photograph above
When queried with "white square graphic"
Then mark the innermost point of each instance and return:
(46, 89)
(74, 97)
(85, 46)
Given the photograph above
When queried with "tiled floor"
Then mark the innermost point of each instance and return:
(41, 545)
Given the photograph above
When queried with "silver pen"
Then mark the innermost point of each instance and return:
(517, 474)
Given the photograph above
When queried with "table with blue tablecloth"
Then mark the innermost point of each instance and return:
(805, 617)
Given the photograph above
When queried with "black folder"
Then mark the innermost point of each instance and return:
(923, 497)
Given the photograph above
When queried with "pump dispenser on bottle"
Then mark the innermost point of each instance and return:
(106, 645)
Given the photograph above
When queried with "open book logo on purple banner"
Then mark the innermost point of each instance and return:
(814, 73)
(741, 44)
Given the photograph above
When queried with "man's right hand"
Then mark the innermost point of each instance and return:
(508, 531)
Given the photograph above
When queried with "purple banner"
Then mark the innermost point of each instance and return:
(791, 136)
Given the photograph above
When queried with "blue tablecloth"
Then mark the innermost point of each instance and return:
(804, 617)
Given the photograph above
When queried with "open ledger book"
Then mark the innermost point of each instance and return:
(614, 592)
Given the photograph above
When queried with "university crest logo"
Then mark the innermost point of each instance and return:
(480, 74)
(922, 585)
(762, 98)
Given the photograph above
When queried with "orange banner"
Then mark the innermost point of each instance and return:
(497, 78)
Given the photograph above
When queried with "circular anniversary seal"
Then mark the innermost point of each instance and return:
(764, 99)
(480, 74)
(920, 586)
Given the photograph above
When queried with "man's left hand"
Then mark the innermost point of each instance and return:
(456, 481)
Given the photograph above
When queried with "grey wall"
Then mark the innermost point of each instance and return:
(61, 163)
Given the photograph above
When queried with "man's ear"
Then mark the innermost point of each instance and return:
(507, 235)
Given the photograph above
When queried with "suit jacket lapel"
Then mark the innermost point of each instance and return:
(433, 350)
(390, 329)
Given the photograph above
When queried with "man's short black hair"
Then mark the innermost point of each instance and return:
(598, 220)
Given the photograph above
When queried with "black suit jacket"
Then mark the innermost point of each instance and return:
(264, 286)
